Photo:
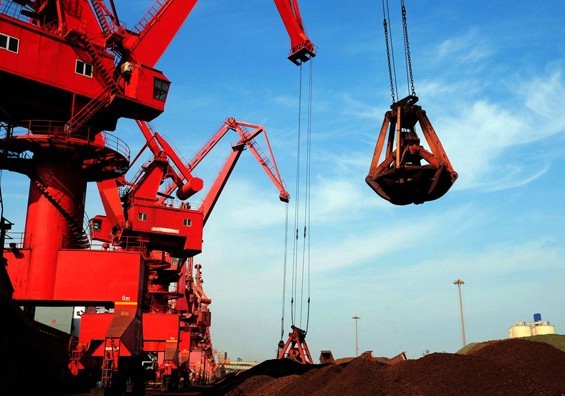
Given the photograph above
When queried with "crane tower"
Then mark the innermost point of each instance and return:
(69, 70)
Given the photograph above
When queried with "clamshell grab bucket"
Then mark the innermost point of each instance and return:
(409, 173)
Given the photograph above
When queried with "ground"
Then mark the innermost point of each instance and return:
(506, 367)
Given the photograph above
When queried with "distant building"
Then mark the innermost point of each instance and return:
(228, 366)
(528, 329)
(326, 357)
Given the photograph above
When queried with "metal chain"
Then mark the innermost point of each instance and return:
(389, 63)
(389, 51)
(407, 47)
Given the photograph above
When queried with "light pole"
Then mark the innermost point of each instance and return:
(459, 282)
(356, 318)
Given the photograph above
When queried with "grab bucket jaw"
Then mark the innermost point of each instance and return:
(409, 173)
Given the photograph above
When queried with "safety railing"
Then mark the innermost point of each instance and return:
(22, 12)
(14, 240)
(57, 130)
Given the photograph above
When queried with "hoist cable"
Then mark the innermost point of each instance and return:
(300, 274)
(409, 74)
(297, 206)
(305, 270)
(284, 270)
(389, 51)
(308, 182)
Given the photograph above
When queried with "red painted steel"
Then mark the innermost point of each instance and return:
(149, 217)
(301, 48)
(97, 278)
(295, 347)
(157, 29)
(247, 133)
(74, 72)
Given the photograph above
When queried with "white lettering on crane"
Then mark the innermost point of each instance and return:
(165, 230)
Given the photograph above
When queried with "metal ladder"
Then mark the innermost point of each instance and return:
(105, 97)
(108, 366)
(78, 234)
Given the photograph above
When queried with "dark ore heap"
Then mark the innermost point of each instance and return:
(508, 367)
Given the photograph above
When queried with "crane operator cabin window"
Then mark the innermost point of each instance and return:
(160, 89)
(83, 68)
(9, 43)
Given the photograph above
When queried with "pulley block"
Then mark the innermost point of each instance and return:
(409, 173)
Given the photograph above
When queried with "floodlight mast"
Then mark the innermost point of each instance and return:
(356, 318)
(459, 282)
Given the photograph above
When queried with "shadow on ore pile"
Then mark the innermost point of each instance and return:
(507, 367)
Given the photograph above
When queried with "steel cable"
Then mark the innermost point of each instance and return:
(389, 51)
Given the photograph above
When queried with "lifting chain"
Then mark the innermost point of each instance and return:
(389, 49)
(407, 49)
(389, 63)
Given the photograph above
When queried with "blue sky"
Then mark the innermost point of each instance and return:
(491, 78)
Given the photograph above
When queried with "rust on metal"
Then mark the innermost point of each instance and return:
(409, 173)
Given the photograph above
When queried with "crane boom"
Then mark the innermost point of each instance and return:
(301, 48)
(70, 70)
(144, 187)
(217, 187)
(157, 28)
(247, 141)
(150, 39)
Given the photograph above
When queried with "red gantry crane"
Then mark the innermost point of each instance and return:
(69, 70)
(144, 216)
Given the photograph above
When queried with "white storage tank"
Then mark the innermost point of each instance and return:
(543, 328)
(520, 329)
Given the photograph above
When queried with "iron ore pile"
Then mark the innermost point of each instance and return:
(507, 367)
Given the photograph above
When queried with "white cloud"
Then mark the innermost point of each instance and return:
(419, 295)
(250, 206)
(543, 95)
(333, 196)
(356, 108)
(380, 237)
(484, 138)
(286, 102)
(469, 48)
